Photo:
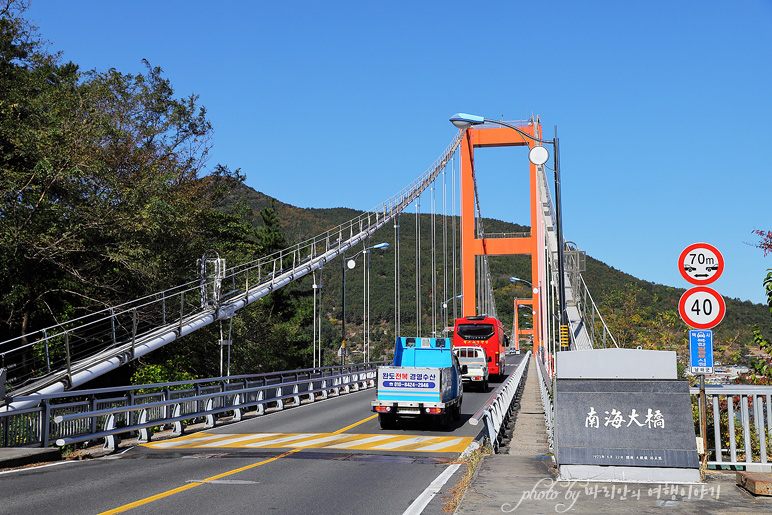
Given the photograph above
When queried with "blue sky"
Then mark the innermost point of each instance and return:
(663, 108)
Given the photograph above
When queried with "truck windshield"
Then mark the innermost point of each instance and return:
(475, 331)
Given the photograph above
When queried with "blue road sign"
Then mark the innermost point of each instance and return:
(701, 351)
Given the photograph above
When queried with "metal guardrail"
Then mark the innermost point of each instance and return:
(104, 413)
(545, 389)
(739, 426)
(494, 412)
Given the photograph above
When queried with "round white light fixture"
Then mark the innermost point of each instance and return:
(351, 264)
(538, 155)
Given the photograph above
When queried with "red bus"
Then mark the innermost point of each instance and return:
(486, 332)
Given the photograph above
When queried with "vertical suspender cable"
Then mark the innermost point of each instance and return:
(313, 315)
(230, 343)
(320, 317)
(221, 349)
(434, 261)
(418, 266)
(453, 208)
(444, 321)
(478, 281)
(366, 244)
(397, 270)
(367, 354)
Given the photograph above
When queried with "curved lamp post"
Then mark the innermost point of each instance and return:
(351, 263)
(514, 280)
(445, 308)
(538, 155)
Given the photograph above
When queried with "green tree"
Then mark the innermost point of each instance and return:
(104, 194)
(762, 367)
(104, 191)
(270, 236)
(623, 314)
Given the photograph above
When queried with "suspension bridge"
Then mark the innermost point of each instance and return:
(45, 397)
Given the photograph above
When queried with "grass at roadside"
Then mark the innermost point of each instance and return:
(472, 461)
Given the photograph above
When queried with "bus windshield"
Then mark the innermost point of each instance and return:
(475, 331)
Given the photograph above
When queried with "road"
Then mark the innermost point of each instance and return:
(329, 456)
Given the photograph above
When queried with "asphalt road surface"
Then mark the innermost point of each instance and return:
(328, 456)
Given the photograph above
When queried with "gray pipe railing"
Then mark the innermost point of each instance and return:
(84, 415)
(741, 420)
(493, 413)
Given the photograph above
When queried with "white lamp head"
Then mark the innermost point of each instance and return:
(538, 155)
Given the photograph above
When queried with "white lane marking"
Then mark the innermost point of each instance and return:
(239, 439)
(362, 441)
(185, 441)
(281, 440)
(27, 469)
(441, 445)
(427, 495)
(317, 441)
(403, 443)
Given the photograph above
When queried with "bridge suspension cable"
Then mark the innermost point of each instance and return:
(104, 340)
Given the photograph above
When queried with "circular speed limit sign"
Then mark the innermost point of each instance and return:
(700, 263)
(701, 307)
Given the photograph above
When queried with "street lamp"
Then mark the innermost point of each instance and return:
(351, 263)
(517, 318)
(445, 307)
(514, 280)
(538, 155)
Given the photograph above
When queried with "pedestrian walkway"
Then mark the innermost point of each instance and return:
(529, 437)
(524, 480)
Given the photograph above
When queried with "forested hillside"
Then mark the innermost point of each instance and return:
(639, 313)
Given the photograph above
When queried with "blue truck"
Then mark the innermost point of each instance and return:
(423, 382)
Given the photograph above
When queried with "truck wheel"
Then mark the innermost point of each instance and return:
(485, 386)
(455, 414)
(386, 421)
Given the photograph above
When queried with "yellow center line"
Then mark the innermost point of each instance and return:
(354, 425)
(152, 498)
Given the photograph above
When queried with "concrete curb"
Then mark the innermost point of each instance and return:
(12, 457)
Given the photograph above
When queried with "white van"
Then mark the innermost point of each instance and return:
(476, 362)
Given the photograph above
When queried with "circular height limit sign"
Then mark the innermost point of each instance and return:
(701, 263)
(702, 307)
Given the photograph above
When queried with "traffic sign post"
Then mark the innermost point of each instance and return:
(701, 351)
(701, 307)
(701, 263)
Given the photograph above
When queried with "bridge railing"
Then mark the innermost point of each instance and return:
(105, 339)
(104, 413)
(739, 426)
(493, 413)
(58, 352)
(545, 390)
(591, 318)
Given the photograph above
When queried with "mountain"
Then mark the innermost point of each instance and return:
(639, 313)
